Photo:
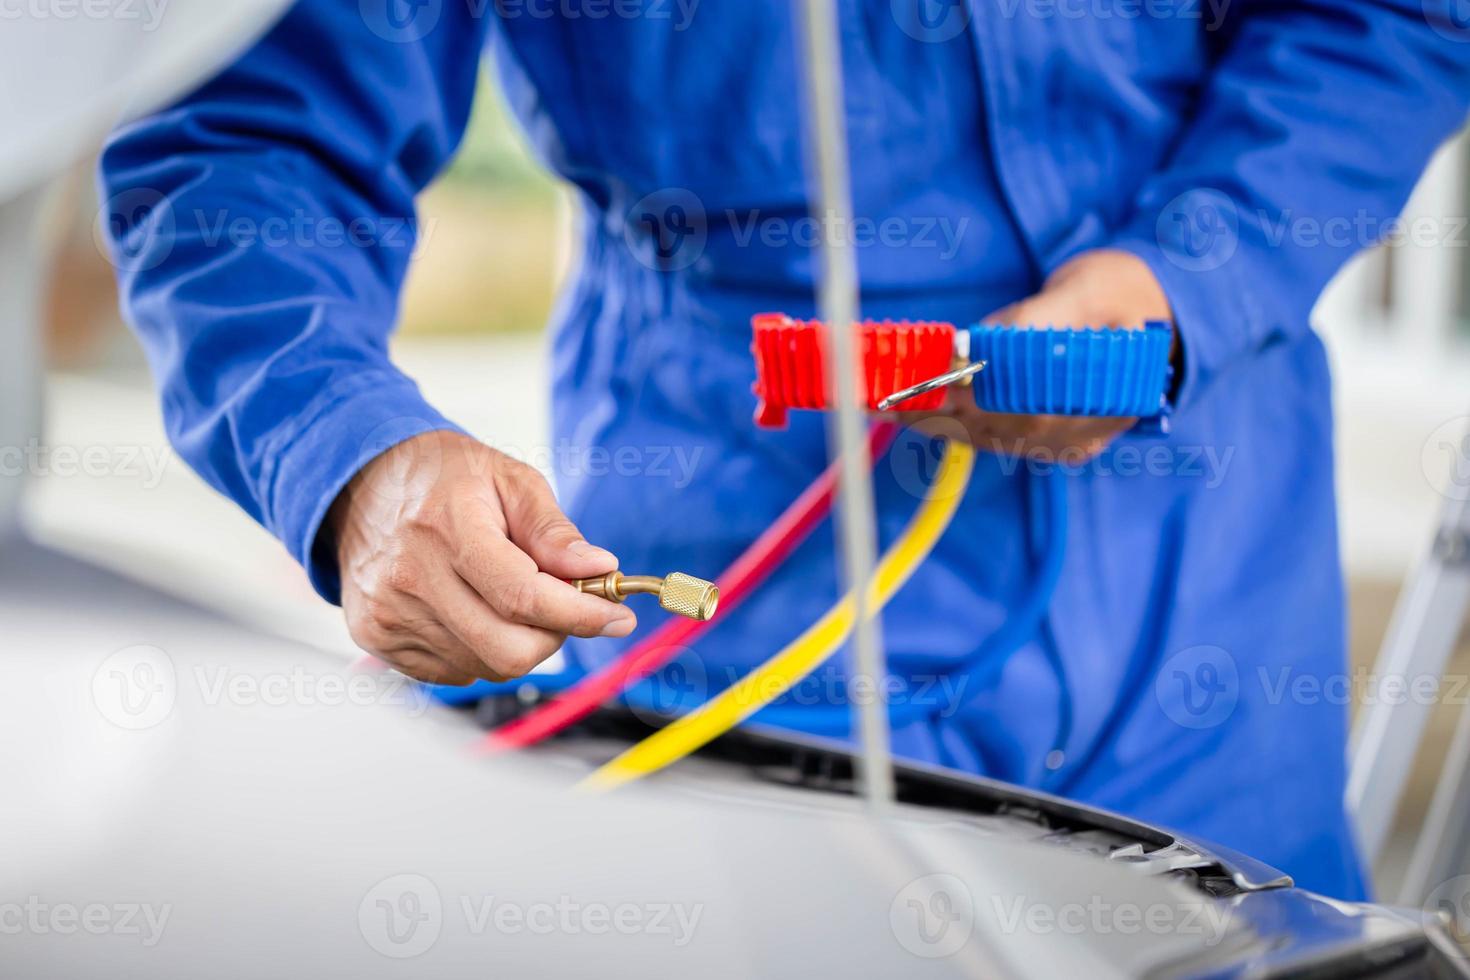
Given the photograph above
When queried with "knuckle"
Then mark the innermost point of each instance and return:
(418, 670)
(515, 478)
(554, 527)
(379, 617)
(516, 657)
(511, 664)
(354, 613)
(590, 622)
(366, 635)
(526, 476)
(461, 487)
(402, 574)
(450, 676)
(519, 599)
(424, 520)
(517, 667)
(473, 554)
(1031, 426)
(432, 671)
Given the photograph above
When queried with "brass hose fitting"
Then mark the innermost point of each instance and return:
(677, 592)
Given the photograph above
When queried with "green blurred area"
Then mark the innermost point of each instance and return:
(493, 155)
(495, 235)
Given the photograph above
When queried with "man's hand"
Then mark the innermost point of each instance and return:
(1096, 289)
(453, 558)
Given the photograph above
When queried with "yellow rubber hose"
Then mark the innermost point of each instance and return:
(807, 652)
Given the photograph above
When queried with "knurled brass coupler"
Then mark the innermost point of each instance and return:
(677, 592)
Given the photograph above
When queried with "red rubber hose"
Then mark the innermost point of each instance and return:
(753, 566)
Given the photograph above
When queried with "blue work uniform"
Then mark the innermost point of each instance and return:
(990, 142)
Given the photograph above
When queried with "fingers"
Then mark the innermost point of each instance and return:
(464, 579)
(1065, 440)
(398, 630)
(427, 666)
(1059, 439)
(538, 526)
(481, 640)
(1104, 288)
(1042, 310)
(453, 638)
(1096, 289)
(510, 583)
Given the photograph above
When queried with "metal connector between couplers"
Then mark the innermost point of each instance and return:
(677, 592)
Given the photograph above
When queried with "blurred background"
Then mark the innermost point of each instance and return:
(495, 244)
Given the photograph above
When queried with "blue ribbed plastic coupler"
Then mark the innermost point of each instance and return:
(1092, 371)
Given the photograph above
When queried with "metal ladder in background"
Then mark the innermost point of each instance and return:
(1427, 621)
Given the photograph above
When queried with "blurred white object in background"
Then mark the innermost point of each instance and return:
(20, 342)
(1395, 324)
(66, 77)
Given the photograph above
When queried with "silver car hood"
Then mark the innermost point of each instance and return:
(257, 821)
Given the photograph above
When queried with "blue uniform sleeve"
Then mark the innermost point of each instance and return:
(262, 229)
(1317, 120)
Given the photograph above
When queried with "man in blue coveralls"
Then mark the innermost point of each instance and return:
(1098, 164)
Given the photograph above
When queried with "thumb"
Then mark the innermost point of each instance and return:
(1048, 308)
(536, 524)
(1105, 288)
